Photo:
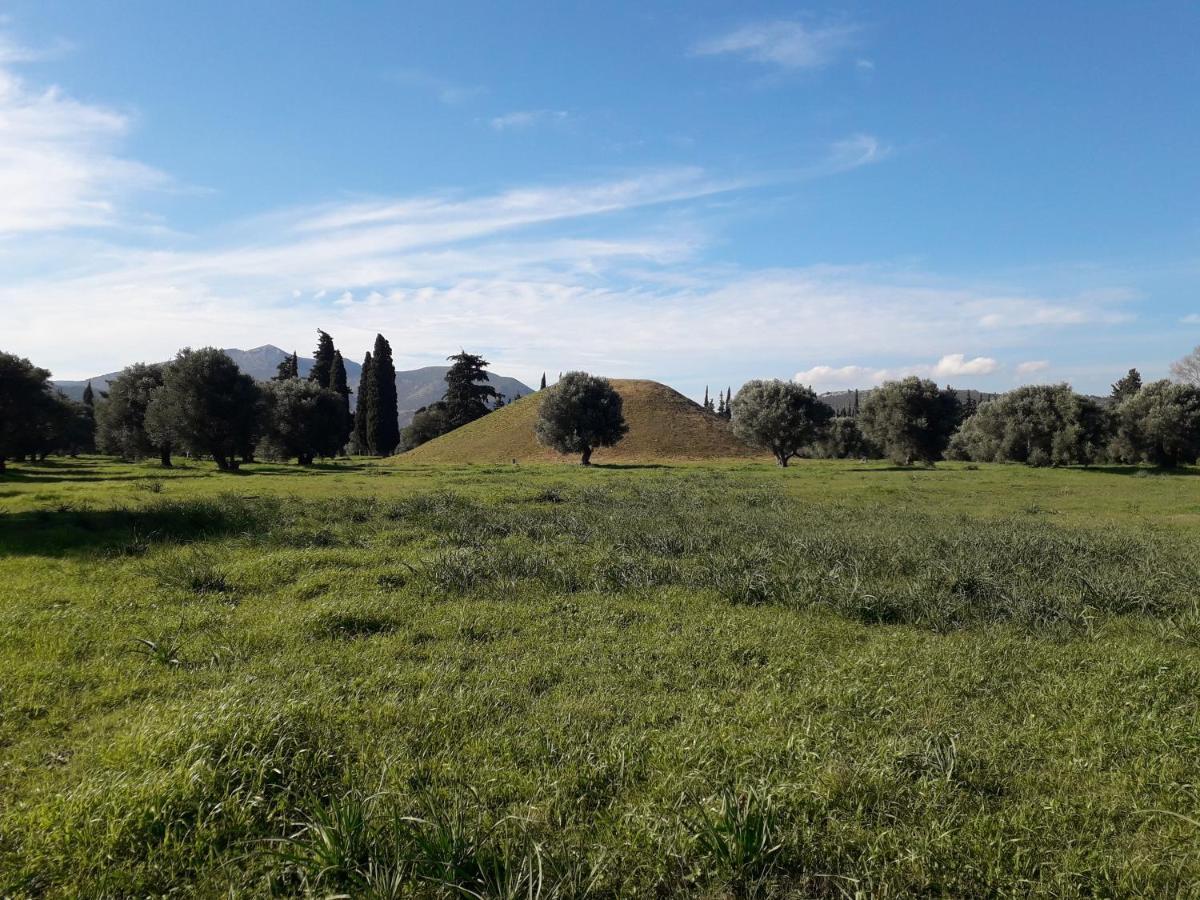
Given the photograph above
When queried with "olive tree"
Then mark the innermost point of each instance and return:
(302, 420)
(26, 406)
(1160, 424)
(208, 406)
(1039, 425)
(779, 416)
(842, 439)
(580, 413)
(910, 420)
(121, 415)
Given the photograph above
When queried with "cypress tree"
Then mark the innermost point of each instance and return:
(361, 445)
(88, 419)
(322, 370)
(289, 368)
(383, 420)
(706, 406)
(543, 387)
(339, 385)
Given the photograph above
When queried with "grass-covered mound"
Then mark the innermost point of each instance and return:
(664, 425)
(552, 682)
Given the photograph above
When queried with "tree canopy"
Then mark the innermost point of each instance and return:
(468, 393)
(910, 420)
(208, 406)
(1160, 424)
(1040, 425)
(580, 413)
(303, 420)
(382, 429)
(121, 415)
(779, 416)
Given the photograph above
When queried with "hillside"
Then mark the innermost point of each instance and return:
(663, 425)
(414, 387)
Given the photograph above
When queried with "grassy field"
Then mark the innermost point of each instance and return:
(393, 680)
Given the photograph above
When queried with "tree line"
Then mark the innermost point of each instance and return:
(201, 404)
(913, 420)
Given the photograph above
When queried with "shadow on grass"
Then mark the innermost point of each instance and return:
(1142, 471)
(52, 471)
(66, 531)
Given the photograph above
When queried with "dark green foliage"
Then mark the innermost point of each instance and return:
(121, 416)
(842, 439)
(580, 413)
(89, 396)
(1040, 425)
(25, 405)
(543, 386)
(779, 416)
(303, 421)
(1160, 424)
(340, 386)
(289, 368)
(1126, 387)
(468, 394)
(359, 443)
(382, 416)
(910, 420)
(322, 370)
(208, 406)
(427, 423)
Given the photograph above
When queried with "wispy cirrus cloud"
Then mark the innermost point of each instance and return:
(784, 43)
(444, 90)
(60, 160)
(1032, 367)
(612, 274)
(526, 118)
(855, 151)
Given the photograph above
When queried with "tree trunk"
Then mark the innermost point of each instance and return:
(164, 456)
(587, 457)
(305, 459)
(222, 462)
(782, 460)
(2, 467)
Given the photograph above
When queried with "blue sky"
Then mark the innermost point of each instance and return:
(987, 194)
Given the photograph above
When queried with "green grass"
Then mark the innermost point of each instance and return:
(540, 681)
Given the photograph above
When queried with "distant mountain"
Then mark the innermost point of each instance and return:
(414, 388)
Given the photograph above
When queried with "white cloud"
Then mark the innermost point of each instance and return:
(1087, 309)
(59, 163)
(1191, 319)
(956, 365)
(1032, 366)
(832, 378)
(526, 117)
(854, 151)
(447, 92)
(788, 44)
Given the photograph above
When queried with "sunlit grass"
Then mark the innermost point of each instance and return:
(837, 680)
